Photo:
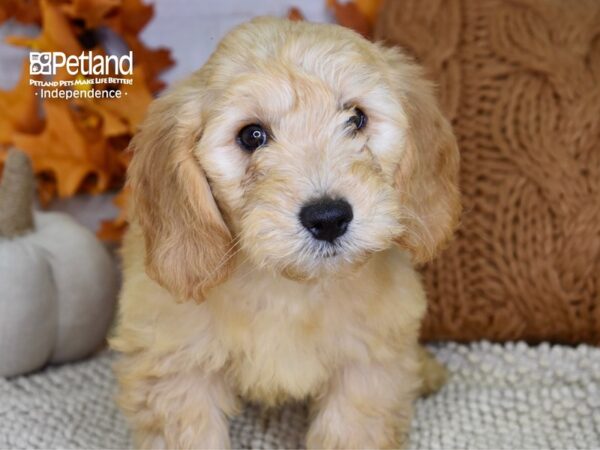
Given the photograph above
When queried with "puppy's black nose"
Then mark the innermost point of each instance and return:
(326, 219)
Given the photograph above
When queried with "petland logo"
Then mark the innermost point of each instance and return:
(86, 64)
(93, 76)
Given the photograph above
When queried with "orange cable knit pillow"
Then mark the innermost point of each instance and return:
(520, 80)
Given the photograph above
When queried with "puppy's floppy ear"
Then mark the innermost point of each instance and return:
(427, 175)
(185, 236)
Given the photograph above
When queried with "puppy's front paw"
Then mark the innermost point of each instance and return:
(149, 440)
(176, 434)
(373, 434)
(185, 410)
(212, 437)
(366, 406)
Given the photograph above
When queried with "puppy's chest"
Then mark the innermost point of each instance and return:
(288, 346)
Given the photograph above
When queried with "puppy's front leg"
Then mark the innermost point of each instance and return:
(366, 406)
(183, 410)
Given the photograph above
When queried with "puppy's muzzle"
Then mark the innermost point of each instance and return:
(326, 219)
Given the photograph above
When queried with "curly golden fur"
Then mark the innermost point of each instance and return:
(276, 314)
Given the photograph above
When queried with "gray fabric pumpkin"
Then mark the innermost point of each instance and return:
(58, 283)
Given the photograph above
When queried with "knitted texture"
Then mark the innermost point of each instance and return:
(520, 80)
(498, 397)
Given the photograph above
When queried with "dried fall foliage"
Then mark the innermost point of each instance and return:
(359, 15)
(78, 145)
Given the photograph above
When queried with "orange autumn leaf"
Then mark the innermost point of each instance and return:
(295, 14)
(369, 9)
(19, 109)
(133, 16)
(112, 124)
(46, 188)
(153, 61)
(56, 34)
(112, 230)
(156, 61)
(71, 155)
(92, 12)
(27, 12)
(350, 16)
(359, 15)
(130, 109)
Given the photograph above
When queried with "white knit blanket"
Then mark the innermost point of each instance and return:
(499, 397)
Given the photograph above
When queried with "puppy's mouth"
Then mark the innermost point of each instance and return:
(324, 260)
(336, 255)
(330, 251)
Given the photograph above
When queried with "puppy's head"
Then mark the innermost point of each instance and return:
(305, 146)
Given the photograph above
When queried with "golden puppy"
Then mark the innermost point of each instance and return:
(279, 195)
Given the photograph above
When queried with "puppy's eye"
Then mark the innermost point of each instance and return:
(251, 137)
(359, 119)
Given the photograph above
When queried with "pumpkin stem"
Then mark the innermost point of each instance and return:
(16, 195)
